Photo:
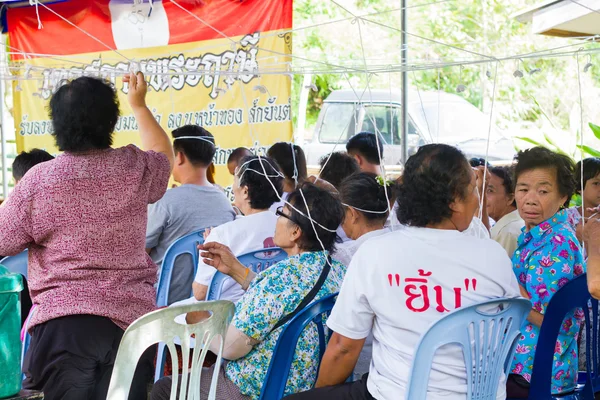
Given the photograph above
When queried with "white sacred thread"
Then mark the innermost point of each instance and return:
(204, 138)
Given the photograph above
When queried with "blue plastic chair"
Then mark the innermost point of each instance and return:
(257, 261)
(488, 340)
(18, 263)
(574, 294)
(187, 244)
(277, 375)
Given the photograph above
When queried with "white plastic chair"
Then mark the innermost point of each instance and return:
(160, 326)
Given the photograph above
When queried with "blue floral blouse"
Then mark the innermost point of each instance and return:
(274, 293)
(548, 257)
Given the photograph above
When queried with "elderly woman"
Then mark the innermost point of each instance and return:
(366, 198)
(274, 296)
(83, 218)
(257, 185)
(439, 197)
(547, 257)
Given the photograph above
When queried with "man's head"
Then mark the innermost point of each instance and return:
(500, 193)
(367, 150)
(194, 148)
(27, 160)
(84, 113)
(234, 158)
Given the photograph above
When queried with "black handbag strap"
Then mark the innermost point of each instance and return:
(309, 297)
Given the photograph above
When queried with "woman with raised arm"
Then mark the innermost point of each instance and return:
(83, 218)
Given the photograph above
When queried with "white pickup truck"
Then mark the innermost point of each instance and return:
(434, 117)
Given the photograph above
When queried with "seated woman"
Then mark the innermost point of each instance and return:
(547, 257)
(255, 192)
(273, 295)
(83, 218)
(438, 198)
(292, 162)
(502, 208)
(366, 198)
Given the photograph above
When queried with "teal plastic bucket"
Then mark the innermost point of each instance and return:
(11, 286)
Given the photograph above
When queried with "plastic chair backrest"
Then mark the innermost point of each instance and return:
(18, 263)
(257, 261)
(160, 326)
(277, 375)
(187, 244)
(574, 294)
(488, 339)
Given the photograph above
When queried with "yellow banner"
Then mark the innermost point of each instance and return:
(210, 83)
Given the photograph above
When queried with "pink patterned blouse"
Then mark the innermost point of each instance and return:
(83, 218)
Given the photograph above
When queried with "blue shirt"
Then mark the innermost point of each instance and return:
(548, 257)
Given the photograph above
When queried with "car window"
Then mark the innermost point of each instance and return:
(388, 121)
(338, 122)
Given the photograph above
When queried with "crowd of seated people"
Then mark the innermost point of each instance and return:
(98, 220)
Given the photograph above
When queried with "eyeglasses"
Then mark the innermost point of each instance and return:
(279, 213)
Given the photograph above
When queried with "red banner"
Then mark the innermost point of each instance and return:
(114, 22)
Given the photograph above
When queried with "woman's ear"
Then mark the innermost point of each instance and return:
(353, 215)
(244, 191)
(295, 233)
(511, 199)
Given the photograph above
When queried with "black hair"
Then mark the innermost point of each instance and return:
(200, 152)
(367, 145)
(252, 175)
(325, 209)
(237, 154)
(506, 174)
(591, 169)
(27, 160)
(363, 190)
(339, 167)
(290, 163)
(479, 162)
(435, 177)
(84, 113)
(541, 157)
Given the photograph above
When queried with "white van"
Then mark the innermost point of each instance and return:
(434, 117)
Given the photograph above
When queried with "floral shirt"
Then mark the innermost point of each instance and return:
(274, 293)
(547, 258)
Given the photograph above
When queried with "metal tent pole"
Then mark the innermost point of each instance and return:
(404, 54)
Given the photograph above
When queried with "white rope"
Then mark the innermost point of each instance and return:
(367, 211)
(37, 12)
(207, 139)
(581, 150)
(487, 147)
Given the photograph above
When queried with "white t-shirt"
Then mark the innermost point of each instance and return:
(373, 299)
(477, 229)
(346, 250)
(243, 235)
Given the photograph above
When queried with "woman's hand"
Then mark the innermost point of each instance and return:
(524, 293)
(221, 257)
(137, 89)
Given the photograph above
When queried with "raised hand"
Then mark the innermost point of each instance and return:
(137, 89)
